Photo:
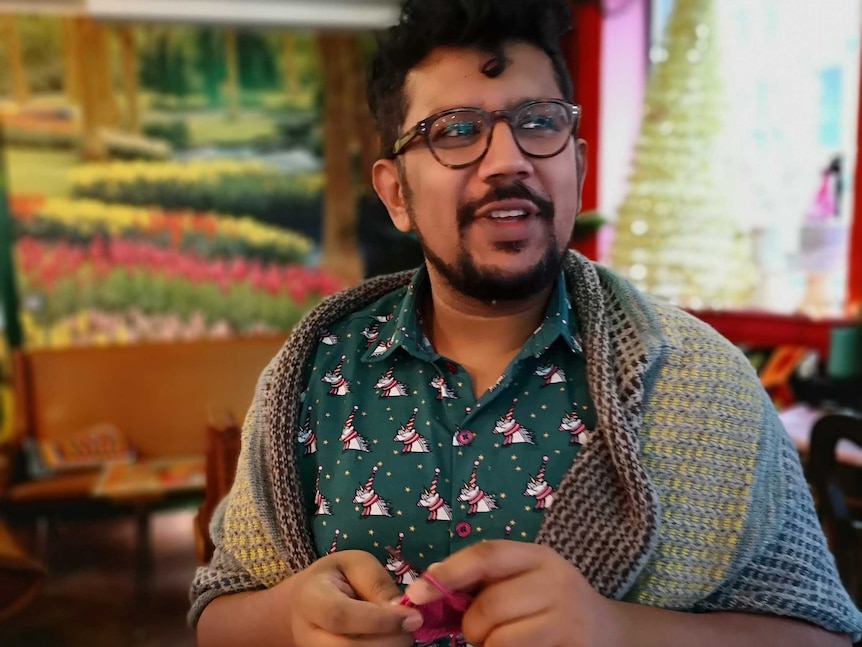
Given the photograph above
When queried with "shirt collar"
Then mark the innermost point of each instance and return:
(405, 329)
(559, 322)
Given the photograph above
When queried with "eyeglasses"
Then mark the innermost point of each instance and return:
(461, 136)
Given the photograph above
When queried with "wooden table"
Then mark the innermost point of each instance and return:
(148, 479)
(144, 484)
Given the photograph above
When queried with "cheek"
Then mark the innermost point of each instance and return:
(564, 194)
(435, 200)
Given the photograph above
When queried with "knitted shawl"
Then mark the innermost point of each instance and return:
(689, 496)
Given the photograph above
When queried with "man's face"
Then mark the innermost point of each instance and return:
(464, 217)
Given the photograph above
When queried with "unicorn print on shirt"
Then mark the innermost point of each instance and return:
(391, 387)
(395, 564)
(550, 374)
(372, 504)
(472, 494)
(511, 430)
(350, 437)
(382, 347)
(334, 545)
(328, 338)
(413, 442)
(443, 390)
(539, 489)
(320, 502)
(337, 384)
(371, 333)
(306, 436)
(438, 509)
(575, 426)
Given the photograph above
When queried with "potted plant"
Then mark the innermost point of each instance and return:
(585, 234)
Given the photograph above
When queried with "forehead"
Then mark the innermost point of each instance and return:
(452, 77)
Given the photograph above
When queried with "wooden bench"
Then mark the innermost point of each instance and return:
(161, 396)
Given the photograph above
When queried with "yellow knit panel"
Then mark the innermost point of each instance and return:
(245, 537)
(703, 475)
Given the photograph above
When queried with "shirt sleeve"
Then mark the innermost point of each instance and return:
(784, 566)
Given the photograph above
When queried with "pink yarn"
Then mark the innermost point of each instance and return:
(442, 617)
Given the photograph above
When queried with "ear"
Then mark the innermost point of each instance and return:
(387, 184)
(581, 161)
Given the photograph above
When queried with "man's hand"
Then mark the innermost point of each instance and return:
(345, 600)
(526, 594)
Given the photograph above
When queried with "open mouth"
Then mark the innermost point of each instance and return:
(507, 215)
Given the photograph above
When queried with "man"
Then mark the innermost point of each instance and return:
(620, 460)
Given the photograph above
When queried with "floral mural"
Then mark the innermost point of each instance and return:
(174, 191)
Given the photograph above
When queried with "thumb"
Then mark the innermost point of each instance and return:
(367, 577)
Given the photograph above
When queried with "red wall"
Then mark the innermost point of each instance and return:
(583, 50)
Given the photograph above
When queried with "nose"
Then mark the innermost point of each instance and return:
(504, 160)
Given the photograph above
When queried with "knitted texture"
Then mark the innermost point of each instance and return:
(788, 551)
(689, 496)
(604, 517)
(704, 487)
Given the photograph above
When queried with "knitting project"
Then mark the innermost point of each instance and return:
(442, 617)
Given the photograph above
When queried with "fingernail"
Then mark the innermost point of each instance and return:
(415, 595)
(412, 623)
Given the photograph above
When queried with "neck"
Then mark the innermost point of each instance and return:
(478, 334)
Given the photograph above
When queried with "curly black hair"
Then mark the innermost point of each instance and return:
(486, 25)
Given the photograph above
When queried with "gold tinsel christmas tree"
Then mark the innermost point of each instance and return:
(676, 234)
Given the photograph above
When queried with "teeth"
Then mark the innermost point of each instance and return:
(514, 213)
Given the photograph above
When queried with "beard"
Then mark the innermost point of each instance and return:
(489, 285)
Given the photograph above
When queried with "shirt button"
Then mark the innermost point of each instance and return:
(465, 437)
(463, 529)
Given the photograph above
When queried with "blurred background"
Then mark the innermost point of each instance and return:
(182, 180)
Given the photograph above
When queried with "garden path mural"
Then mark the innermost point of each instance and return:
(167, 182)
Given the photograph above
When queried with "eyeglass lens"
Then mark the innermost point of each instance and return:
(541, 129)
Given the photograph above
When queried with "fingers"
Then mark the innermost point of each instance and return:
(329, 599)
(477, 566)
(317, 637)
(326, 607)
(367, 577)
(535, 630)
(504, 603)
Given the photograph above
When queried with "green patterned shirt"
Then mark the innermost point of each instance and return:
(399, 459)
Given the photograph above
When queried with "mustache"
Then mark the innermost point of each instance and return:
(466, 212)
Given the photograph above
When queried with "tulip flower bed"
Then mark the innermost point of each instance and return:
(245, 188)
(142, 282)
(45, 129)
(205, 234)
